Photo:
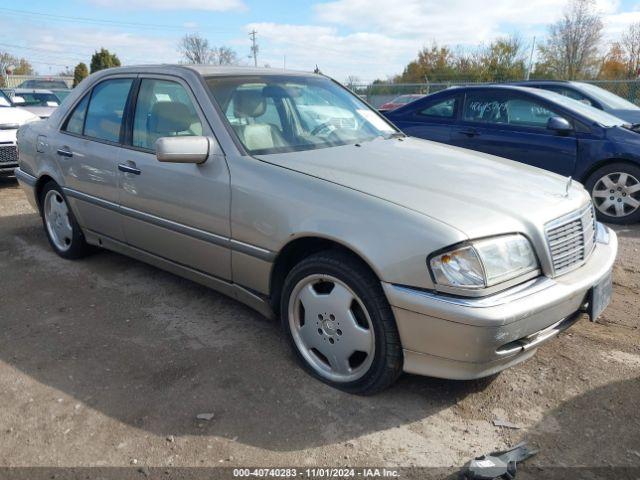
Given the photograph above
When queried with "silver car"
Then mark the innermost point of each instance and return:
(379, 253)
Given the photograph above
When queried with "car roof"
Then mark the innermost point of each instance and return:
(208, 70)
(501, 86)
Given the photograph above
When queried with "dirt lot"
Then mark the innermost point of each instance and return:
(107, 362)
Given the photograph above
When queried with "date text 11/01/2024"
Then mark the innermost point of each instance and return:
(316, 472)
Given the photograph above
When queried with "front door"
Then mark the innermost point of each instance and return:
(87, 149)
(179, 212)
(511, 125)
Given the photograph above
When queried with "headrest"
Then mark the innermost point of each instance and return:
(248, 103)
(170, 117)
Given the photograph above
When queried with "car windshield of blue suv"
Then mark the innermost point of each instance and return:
(276, 114)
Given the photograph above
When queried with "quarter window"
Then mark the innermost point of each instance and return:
(106, 109)
(499, 108)
(163, 109)
(75, 122)
(443, 109)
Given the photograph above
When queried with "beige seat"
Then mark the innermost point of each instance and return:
(169, 119)
(248, 105)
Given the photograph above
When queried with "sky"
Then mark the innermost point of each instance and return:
(367, 39)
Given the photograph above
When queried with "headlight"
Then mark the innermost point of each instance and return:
(484, 263)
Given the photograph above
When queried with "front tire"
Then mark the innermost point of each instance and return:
(339, 323)
(62, 229)
(615, 191)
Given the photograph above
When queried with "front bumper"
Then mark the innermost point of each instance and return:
(465, 338)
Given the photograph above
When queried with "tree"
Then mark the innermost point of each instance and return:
(631, 47)
(103, 59)
(225, 56)
(80, 73)
(571, 51)
(504, 59)
(614, 65)
(23, 67)
(195, 49)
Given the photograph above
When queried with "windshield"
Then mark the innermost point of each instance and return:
(39, 99)
(275, 114)
(603, 118)
(608, 99)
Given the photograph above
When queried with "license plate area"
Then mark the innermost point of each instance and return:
(600, 297)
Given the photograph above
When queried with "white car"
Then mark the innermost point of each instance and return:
(11, 118)
(38, 101)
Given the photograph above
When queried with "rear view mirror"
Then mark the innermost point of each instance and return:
(559, 125)
(182, 149)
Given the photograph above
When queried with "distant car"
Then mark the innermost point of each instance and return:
(540, 128)
(399, 102)
(11, 118)
(591, 95)
(38, 101)
(46, 83)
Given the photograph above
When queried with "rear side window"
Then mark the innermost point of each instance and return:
(75, 122)
(106, 109)
(443, 109)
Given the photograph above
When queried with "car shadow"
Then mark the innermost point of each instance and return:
(7, 181)
(593, 435)
(153, 351)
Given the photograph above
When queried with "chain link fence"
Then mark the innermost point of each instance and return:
(23, 81)
(378, 93)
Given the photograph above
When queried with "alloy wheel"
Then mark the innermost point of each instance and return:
(56, 217)
(617, 194)
(331, 328)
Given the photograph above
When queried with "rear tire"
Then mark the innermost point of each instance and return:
(339, 323)
(62, 229)
(615, 191)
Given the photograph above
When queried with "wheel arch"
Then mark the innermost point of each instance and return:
(40, 183)
(297, 250)
(601, 163)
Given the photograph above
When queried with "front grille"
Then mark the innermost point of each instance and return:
(571, 239)
(8, 154)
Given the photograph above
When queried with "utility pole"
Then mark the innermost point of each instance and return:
(533, 46)
(254, 47)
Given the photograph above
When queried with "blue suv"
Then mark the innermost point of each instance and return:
(539, 128)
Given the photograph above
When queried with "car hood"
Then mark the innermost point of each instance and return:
(477, 194)
(631, 116)
(15, 115)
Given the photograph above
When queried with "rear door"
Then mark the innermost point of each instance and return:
(513, 125)
(429, 119)
(179, 212)
(87, 149)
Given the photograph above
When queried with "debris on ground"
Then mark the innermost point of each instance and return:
(204, 416)
(500, 464)
(498, 422)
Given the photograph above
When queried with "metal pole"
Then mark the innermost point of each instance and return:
(254, 47)
(533, 46)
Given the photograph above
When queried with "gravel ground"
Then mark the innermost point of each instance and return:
(107, 362)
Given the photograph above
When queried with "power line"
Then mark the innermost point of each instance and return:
(254, 47)
(100, 21)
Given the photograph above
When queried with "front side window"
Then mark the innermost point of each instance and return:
(163, 109)
(444, 109)
(274, 114)
(502, 108)
(106, 109)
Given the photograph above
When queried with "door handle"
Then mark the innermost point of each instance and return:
(469, 132)
(65, 152)
(129, 167)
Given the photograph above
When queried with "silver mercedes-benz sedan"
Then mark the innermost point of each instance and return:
(379, 253)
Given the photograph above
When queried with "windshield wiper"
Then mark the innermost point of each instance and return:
(395, 135)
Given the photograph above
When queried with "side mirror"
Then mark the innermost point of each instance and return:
(559, 125)
(182, 149)
(18, 100)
